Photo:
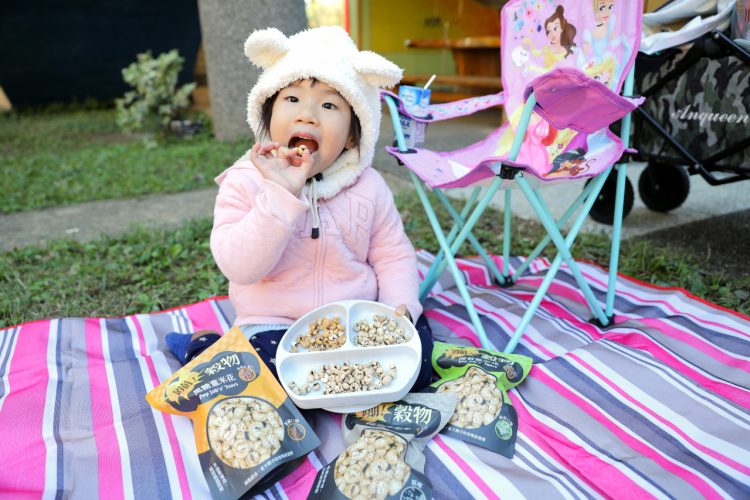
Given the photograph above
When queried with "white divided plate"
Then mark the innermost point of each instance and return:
(295, 366)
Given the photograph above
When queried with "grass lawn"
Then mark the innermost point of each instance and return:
(60, 158)
(148, 270)
(54, 158)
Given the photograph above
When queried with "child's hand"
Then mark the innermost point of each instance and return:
(289, 168)
(401, 310)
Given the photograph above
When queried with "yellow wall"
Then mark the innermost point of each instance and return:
(652, 5)
(386, 24)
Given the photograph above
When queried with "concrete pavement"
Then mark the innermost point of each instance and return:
(89, 220)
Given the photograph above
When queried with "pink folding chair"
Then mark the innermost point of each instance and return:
(564, 65)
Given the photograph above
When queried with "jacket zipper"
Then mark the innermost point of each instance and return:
(319, 258)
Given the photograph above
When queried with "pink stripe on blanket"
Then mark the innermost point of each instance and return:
(558, 311)
(299, 483)
(22, 462)
(457, 327)
(466, 468)
(476, 273)
(698, 343)
(463, 331)
(203, 317)
(614, 388)
(686, 294)
(558, 288)
(173, 442)
(692, 317)
(108, 449)
(589, 470)
(635, 299)
(700, 484)
(529, 342)
(641, 341)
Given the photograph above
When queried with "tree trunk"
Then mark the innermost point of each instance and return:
(225, 25)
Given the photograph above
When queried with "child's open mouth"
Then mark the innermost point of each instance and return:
(310, 143)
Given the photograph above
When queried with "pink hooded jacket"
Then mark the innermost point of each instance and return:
(261, 241)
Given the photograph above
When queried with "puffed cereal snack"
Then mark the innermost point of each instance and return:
(480, 378)
(384, 458)
(247, 432)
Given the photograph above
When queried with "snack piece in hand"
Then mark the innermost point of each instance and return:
(297, 154)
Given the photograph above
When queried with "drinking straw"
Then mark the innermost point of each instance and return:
(429, 82)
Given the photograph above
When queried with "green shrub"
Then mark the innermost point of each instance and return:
(155, 100)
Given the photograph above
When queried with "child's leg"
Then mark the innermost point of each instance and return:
(266, 344)
(425, 371)
(186, 346)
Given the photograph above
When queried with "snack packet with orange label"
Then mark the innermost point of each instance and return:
(245, 425)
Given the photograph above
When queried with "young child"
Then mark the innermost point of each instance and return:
(303, 219)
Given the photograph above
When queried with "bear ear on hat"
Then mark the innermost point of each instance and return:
(376, 69)
(265, 47)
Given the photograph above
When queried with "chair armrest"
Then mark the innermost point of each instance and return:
(448, 110)
(567, 98)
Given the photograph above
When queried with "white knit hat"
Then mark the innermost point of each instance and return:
(329, 55)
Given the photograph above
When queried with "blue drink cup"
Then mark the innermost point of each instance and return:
(416, 100)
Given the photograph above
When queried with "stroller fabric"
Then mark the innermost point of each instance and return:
(702, 16)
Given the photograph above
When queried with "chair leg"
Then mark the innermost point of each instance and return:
(459, 221)
(557, 262)
(533, 306)
(560, 224)
(472, 220)
(506, 239)
(433, 275)
(557, 239)
(450, 251)
(614, 254)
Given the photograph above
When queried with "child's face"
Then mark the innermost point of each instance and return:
(312, 113)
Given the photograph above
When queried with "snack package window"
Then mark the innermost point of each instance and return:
(384, 459)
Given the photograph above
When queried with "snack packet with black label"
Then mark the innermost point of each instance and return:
(245, 426)
(480, 378)
(385, 458)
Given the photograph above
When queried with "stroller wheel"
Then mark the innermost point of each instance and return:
(663, 186)
(603, 209)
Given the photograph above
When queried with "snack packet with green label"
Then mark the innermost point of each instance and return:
(247, 431)
(480, 378)
(385, 458)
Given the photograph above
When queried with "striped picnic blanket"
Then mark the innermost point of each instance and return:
(656, 406)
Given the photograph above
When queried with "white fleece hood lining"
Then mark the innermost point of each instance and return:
(328, 55)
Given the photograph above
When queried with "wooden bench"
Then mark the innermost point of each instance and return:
(464, 86)
(477, 67)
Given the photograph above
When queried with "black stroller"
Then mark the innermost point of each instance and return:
(696, 120)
